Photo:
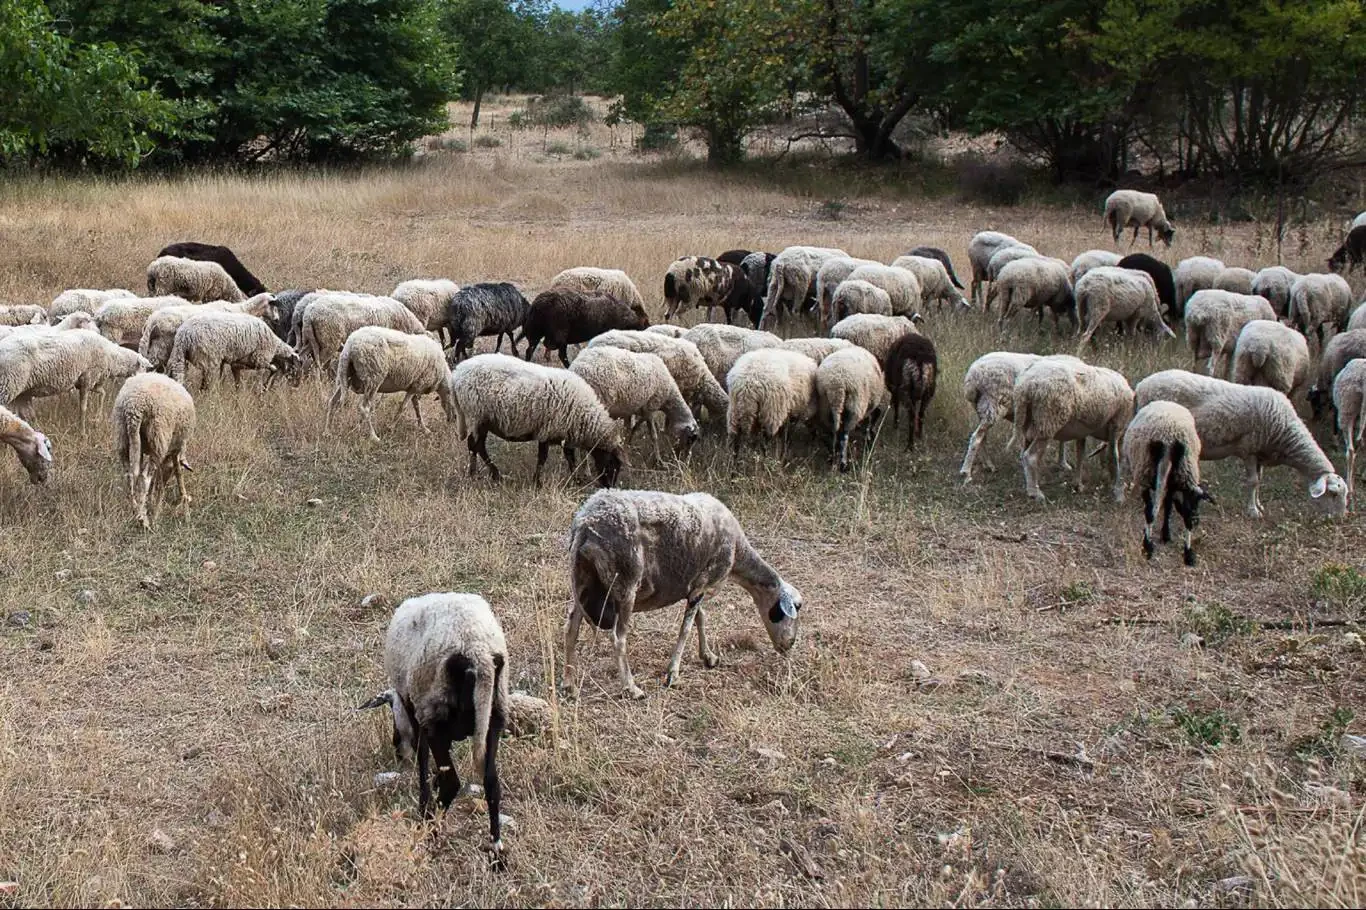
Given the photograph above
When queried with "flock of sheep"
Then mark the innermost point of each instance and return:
(445, 654)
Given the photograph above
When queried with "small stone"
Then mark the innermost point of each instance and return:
(665, 739)
(19, 619)
(773, 754)
(276, 648)
(161, 842)
(507, 821)
(62, 574)
(919, 670)
(829, 760)
(216, 819)
(313, 503)
(1351, 639)
(1353, 745)
(373, 601)
(81, 532)
(470, 791)
(191, 753)
(86, 597)
(1191, 640)
(387, 778)
(976, 678)
(1330, 795)
(209, 565)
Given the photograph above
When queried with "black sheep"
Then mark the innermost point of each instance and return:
(734, 257)
(208, 252)
(1161, 274)
(487, 308)
(911, 371)
(561, 317)
(1351, 253)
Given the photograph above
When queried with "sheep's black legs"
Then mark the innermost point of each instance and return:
(1148, 515)
(564, 355)
(424, 787)
(493, 788)
(542, 452)
(478, 449)
(447, 776)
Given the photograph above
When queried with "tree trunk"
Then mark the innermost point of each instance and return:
(724, 146)
(872, 140)
(478, 100)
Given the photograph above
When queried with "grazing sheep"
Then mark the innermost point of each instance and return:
(873, 332)
(32, 447)
(520, 402)
(377, 360)
(1358, 318)
(485, 309)
(613, 283)
(1089, 260)
(859, 296)
(239, 341)
(248, 283)
(849, 389)
(563, 316)
(1349, 394)
(1005, 256)
(1274, 283)
(154, 418)
(1198, 273)
(1124, 296)
(1160, 273)
(664, 328)
(427, 299)
(1130, 208)
(722, 345)
(633, 386)
(22, 314)
(447, 661)
(792, 280)
(829, 277)
(636, 550)
(158, 334)
(1070, 400)
(1319, 304)
(769, 388)
(1351, 253)
(684, 361)
(77, 320)
(744, 296)
(1235, 279)
(912, 371)
(1271, 354)
(694, 281)
(900, 284)
(758, 269)
(1254, 423)
(300, 309)
(1162, 451)
(1344, 347)
(192, 279)
(989, 386)
(330, 319)
(981, 248)
(279, 314)
(734, 257)
(935, 281)
(1213, 320)
(42, 364)
(123, 319)
(1034, 283)
(934, 252)
(816, 348)
(78, 300)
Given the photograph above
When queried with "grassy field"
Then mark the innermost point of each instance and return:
(176, 723)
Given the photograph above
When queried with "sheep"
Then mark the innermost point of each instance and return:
(1006, 255)
(279, 314)
(849, 390)
(859, 296)
(1344, 347)
(912, 375)
(981, 248)
(427, 299)
(1197, 273)
(1213, 320)
(758, 269)
(1235, 279)
(77, 320)
(1349, 393)
(375, 360)
(1162, 277)
(300, 309)
(1112, 294)
(1358, 221)
(1254, 423)
(816, 348)
(1274, 283)
(122, 320)
(1070, 400)
(1358, 318)
(519, 402)
(792, 278)
(634, 386)
(901, 286)
(1089, 260)
(1271, 354)
(22, 314)
(249, 284)
(873, 332)
(158, 334)
(1035, 283)
(989, 386)
(41, 364)
(934, 252)
(213, 340)
(722, 345)
(563, 316)
(935, 281)
(694, 281)
(744, 296)
(1162, 452)
(33, 449)
(1319, 305)
(769, 388)
(637, 550)
(79, 300)
(154, 418)
(613, 282)
(485, 309)
(1131, 208)
(447, 663)
(330, 319)
(1352, 251)
(684, 361)
(734, 257)
(829, 277)
(192, 279)
(666, 328)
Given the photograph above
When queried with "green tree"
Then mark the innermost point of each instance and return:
(495, 42)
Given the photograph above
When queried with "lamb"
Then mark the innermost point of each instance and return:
(989, 386)
(122, 320)
(330, 319)
(859, 296)
(769, 389)
(32, 447)
(1349, 393)
(666, 328)
(485, 309)
(520, 402)
(684, 361)
(1125, 296)
(900, 284)
(1213, 320)
(41, 364)
(1344, 347)
(829, 277)
(1089, 260)
(636, 550)
(1352, 251)
(79, 300)
(613, 282)
(1254, 423)
(1274, 283)
(874, 333)
(1162, 277)
(1237, 280)
(1131, 208)
(849, 389)
(191, 279)
(1271, 354)
(22, 314)
(792, 279)
(208, 252)
(722, 345)
(935, 281)
(934, 252)
(563, 316)
(816, 348)
(376, 360)
(1198, 273)
(1034, 283)
(912, 374)
(694, 281)
(240, 341)
(154, 418)
(981, 248)
(427, 299)
(1162, 451)
(158, 334)
(634, 386)
(279, 313)
(1319, 305)
(447, 663)
(1070, 400)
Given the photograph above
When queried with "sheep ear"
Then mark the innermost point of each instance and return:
(44, 447)
(1319, 487)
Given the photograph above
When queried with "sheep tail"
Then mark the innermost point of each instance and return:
(590, 594)
(1082, 310)
(175, 364)
(670, 287)
(130, 429)
(483, 679)
(1168, 459)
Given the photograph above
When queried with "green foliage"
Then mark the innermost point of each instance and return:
(558, 147)
(1216, 623)
(586, 153)
(1326, 742)
(1340, 585)
(486, 141)
(558, 111)
(1206, 729)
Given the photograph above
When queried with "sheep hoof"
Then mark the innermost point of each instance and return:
(710, 660)
(1188, 555)
(670, 678)
(1037, 496)
(634, 692)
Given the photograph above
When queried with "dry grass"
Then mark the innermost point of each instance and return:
(206, 692)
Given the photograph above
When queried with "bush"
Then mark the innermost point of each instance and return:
(586, 153)
(450, 144)
(557, 111)
(487, 142)
(558, 148)
(518, 119)
(658, 137)
(991, 182)
(1340, 585)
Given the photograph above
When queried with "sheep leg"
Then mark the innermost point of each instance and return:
(447, 775)
(571, 642)
(1190, 516)
(1149, 514)
(424, 786)
(564, 355)
(1351, 452)
(1135, 238)
(84, 394)
(182, 495)
(1029, 459)
(493, 788)
(704, 652)
(1079, 472)
(1116, 476)
(624, 601)
(571, 461)
(684, 630)
(542, 453)
(979, 435)
(417, 409)
(1252, 479)
(142, 486)
(920, 417)
(367, 408)
(478, 449)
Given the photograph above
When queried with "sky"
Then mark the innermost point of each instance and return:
(572, 4)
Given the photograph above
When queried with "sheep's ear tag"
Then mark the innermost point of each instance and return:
(1319, 487)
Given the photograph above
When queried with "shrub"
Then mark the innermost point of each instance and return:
(586, 153)
(658, 137)
(560, 111)
(1340, 585)
(487, 142)
(1207, 729)
(991, 182)
(558, 148)
(518, 119)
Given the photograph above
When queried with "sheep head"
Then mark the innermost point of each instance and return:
(778, 607)
(35, 454)
(1329, 493)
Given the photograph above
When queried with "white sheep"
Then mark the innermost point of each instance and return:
(1196, 273)
(427, 299)
(1274, 283)
(214, 340)
(377, 360)
(721, 345)
(158, 333)
(296, 314)
(1213, 320)
(1034, 283)
(22, 314)
(667, 328)
(193, 279)
(829, 277)
(1358, 318)
(1131, 208)
(858, 296)
(792, 279)
(78, 300)
(1319, 304)
(42, 364)
(612, 282)
(769, 389)
(1162, 452)
(1127, 297)
(1091, 259)
(635, 550)
(981, 248)
(1349, 395)
(122, 319)
(1271, 354)
(850, 390)
(331, 319)
(33, 449)
(634, 386)
(77, 320)
(685, 362)
(989, 386)
(935, 282)
(521, 401)
(1342, 349)
(1235, 279)
(1254, 423)
(816, 348)
(873, 332)
(154, 418)
(1006, 255)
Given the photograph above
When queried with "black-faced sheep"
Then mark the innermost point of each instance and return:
(1351, 253)
(1162, 277)
(1162, 451)
(563, 316)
